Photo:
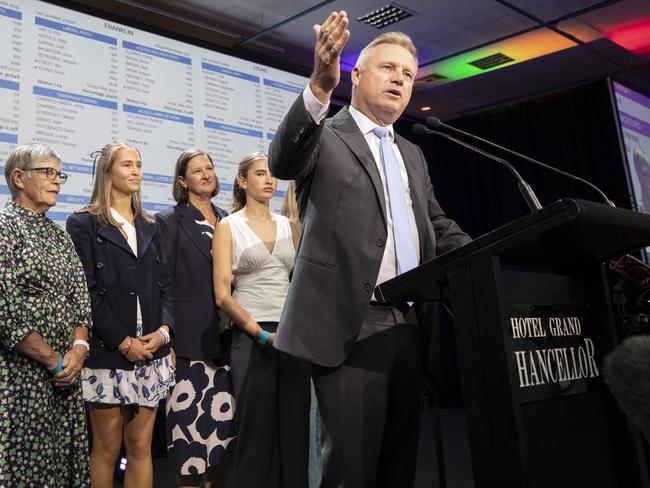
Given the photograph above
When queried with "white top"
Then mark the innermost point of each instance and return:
(260, 278)
(132, 241)
(318, 111)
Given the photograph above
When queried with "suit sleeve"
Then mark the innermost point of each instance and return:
(449, 235)
(294, 148)
(165, 284)
(168, 231)
(80, 292)
(106, 324)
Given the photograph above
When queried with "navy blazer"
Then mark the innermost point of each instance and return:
(116, 277)
(189, 256)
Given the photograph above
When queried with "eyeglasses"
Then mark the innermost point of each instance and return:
(51, 173)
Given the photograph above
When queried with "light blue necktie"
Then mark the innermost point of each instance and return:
(405, 252)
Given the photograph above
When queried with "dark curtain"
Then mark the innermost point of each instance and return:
(574, 131)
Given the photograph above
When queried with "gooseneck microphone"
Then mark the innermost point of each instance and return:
(524, 187)
(436, 122)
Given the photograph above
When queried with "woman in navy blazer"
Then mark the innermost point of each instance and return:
(200, 410)
(129, 369)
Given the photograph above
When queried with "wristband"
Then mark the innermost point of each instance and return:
(263, 337)
(59, 366)
(164, 334)
(125, 351)
(81, 342)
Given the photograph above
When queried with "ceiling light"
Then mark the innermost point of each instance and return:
(634, 37)
(425, 109)
(385, 16)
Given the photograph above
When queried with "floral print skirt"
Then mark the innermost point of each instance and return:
(145, 385)
(200, 411)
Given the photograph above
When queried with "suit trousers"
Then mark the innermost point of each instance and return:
(272, 415)
(370, 406)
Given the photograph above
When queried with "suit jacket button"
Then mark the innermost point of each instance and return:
(102, 292)
(380, 243)
(367, 287)
(99, 239)
(100, 265)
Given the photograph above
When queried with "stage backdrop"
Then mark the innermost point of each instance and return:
(77, 82)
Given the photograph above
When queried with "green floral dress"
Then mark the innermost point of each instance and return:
(43, 437)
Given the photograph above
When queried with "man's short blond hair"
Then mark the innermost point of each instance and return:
(398, 38)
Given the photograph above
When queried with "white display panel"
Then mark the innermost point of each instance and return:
(634, 120)
(77, 82)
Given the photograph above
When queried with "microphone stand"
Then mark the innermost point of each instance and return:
(524, 187)
(436, 122)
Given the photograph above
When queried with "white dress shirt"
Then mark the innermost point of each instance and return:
(318, 111)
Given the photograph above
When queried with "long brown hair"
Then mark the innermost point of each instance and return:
(290, 205)
(100, 200)
(238, 193)
(181, 193)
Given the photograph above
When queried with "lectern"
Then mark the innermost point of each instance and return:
(534, 321)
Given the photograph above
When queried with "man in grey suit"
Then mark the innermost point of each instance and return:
(368, 213)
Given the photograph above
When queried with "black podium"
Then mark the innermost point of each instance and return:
(534, 321)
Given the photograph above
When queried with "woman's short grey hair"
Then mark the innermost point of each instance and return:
(24, 157)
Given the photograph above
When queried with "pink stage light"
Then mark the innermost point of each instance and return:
(634, 37)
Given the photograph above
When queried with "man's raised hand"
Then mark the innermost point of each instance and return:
(331, 37)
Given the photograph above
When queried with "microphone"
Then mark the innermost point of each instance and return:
(625, 372)
(436, 122)
(524, 187)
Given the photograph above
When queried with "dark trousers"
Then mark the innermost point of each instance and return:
(370, 406)
(272, 413)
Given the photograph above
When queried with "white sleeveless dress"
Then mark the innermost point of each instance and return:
(260, 277)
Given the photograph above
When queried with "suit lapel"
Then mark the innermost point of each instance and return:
(113, 234)
(410, 156)
(344, 126)
(192, 229)
(144, 232)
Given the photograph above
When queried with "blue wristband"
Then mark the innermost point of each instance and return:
(264, 336)
(59, 366)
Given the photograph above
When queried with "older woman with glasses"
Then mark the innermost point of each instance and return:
(44, 324)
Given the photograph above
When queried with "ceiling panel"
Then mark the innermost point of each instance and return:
(547, 10)
(450, 30)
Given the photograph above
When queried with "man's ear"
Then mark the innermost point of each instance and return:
(354, 76)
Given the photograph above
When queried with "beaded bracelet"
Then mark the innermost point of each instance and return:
(126, 348)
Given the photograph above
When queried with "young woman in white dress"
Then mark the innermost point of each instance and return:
(253, 254)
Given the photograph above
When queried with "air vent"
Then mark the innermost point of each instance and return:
(433, 78)
(491, 61)
(385, 16)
